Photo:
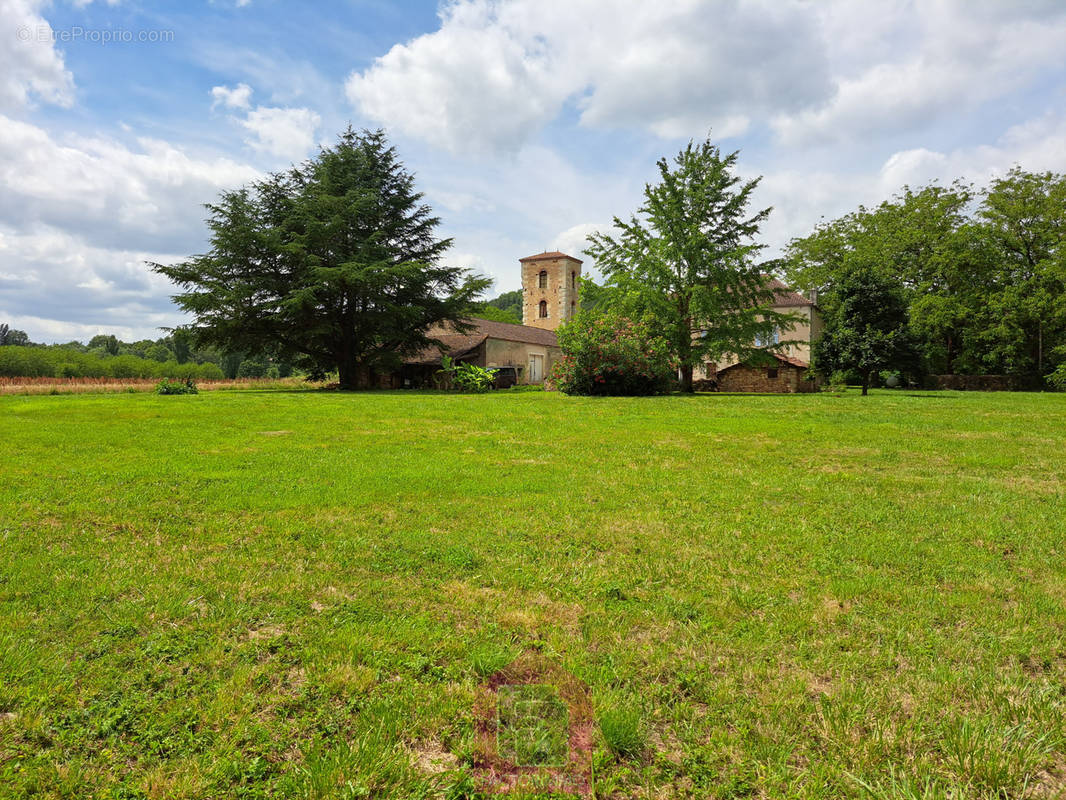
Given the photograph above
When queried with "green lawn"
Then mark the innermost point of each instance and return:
(305, 594)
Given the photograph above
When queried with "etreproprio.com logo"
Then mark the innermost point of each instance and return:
(48, 34)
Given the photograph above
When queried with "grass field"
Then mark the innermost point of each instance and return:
(307, 594)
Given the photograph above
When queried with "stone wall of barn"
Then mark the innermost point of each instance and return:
(784, 379)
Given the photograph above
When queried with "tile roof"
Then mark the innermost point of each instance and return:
(457, 345)
(787, 298)
(506, 331)
(454, 345)
(549, 256)
(790, 360)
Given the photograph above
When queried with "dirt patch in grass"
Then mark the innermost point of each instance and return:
(493, 770)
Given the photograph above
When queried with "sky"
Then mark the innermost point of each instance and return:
(528, 123)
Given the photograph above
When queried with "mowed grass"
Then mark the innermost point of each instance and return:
(301, 594)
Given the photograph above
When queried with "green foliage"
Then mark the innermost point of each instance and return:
(176, 386)
(10, 337)
(608, 354)
(491, 312)
(622, 732)
(983, 273)
(158, 352)
(332, 265)
(467, 377)
(510, 302)
(1057, 379)
(108, 343)
(64, 362)
(689, 263)
(867, 331)
(252, 368)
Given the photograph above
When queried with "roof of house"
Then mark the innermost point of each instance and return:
(787, 298)
(453, 345)
(790, 360)
(507, 331)
(550, 256)
(457, 345)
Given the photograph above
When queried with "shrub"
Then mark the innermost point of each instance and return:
(1057, 379)
(605, 354)
(176, 386)
(468, 377)
(209, 372)
(251, 368)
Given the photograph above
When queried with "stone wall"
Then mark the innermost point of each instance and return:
(788, 379)
(502, 353)
(979, 383)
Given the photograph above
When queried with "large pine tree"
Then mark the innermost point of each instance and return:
(333, 265)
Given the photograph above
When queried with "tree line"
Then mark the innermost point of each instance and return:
(107, 356)
(334, 266)
(978, 276)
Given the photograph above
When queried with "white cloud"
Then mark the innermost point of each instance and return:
(1036, 145)
(79, 217)
(284, 132)
(84, 289)
(574, 239)
(102, 189)
(237, 97)
(496, 72)
(802, 197)
(30, 65)
(946, 58)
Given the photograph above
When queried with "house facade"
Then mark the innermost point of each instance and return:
(532, 352)
(551, 284)
(791, 372)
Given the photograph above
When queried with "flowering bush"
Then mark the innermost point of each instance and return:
(610, 355)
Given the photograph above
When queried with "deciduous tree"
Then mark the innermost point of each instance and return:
(867, 330)
(688, 262)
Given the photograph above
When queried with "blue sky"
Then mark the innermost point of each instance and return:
(529, 123)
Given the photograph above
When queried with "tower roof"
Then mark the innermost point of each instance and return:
(546, 256)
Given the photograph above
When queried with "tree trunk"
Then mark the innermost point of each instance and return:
(348, 373)
(865, 383)
(686, 378)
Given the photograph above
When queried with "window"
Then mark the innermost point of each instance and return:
(768, 339)
(573, 280)
(543, 307)
(544, 282)
(771, 373)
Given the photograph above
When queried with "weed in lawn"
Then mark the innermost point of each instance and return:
(621, 729)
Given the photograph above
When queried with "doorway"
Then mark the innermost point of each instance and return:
(536, 369)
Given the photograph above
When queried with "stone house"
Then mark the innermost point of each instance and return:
(551, 283)
(788, 375)
(531, 351)
(794, 357)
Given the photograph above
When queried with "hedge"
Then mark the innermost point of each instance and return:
(45, 362)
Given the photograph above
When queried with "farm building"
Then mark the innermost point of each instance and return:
(788, 375)
(530, 351)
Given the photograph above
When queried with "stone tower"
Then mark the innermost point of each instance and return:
(550, 285)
